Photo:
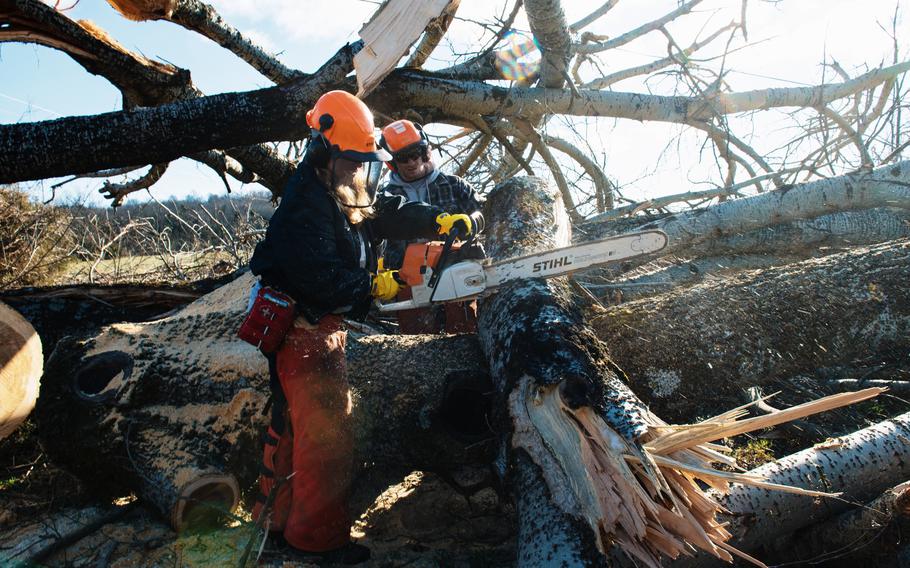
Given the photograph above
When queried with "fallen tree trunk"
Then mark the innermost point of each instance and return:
(722, 337)
(863, 465)
(593, 469)
(57, 311)
(173, 409)
(21, 364)
(773, 246)
(812, 237)
(849, 532)
(885, 187)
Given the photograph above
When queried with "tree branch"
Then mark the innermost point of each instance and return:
(590, 18)
(433, 35)
(603, 187)
(604, 82)
(203, 19)
(548, 24)
(587, 48)
(117, 191)
(81, 144)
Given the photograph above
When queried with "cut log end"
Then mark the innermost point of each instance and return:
(21, 365)
(205, 500)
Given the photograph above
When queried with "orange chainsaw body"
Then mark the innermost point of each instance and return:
(418, 256)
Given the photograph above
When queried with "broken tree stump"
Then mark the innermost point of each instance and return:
(21, 364)
(173, 409)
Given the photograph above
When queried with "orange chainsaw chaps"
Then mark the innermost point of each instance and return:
(418, 256)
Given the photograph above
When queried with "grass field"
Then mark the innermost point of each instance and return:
(150, 268)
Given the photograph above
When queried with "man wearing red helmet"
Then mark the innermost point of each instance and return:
(319, 249)
(415, 177)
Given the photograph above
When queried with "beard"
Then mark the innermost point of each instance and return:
(354, 192)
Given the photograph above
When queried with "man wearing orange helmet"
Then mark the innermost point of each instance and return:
(319, 250)
(415, 176)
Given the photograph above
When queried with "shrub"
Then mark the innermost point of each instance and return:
(34, 239)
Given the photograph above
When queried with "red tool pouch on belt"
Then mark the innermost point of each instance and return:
(269, 320)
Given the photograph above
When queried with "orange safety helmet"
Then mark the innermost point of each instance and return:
(403, 135)
(341, 125)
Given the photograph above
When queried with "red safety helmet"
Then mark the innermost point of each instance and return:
(402, 137)
(341, 125)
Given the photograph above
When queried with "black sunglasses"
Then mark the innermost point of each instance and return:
(415, 154)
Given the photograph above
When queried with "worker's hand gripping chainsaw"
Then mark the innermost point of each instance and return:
(450, 271)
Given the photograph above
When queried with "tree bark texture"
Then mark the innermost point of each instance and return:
(533, 338)
(888, 186)
(142, 81)
(175, 406)
(725, 336)
(58, 311)
(550, 29)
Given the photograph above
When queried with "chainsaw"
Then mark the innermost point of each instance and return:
(438, 272)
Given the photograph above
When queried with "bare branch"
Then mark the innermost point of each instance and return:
(603, 187)
(548, 24)
(537, 142)
(479, 148)
(857, 139)
(595, 15)
(647, 68)
(637, 32)
(117, 191)
(203, 19)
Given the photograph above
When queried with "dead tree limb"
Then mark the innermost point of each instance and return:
(205, 20)
(59, 147)
(887, 186)
(685, 8)
(221, 121)
(603, 187)
(432, 36)
(851, 531)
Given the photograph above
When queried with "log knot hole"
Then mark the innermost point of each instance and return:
(100, 376)
(467, 404)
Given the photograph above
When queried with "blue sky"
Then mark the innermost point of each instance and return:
(792, 38)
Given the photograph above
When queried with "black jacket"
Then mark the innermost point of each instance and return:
(312, 252)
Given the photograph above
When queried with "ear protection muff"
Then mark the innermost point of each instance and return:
(318, 147)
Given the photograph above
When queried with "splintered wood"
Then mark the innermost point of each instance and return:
(141, 10)
(649, 501)
(388, 35)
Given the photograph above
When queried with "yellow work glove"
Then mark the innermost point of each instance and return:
(385, 285)
(459, 221)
